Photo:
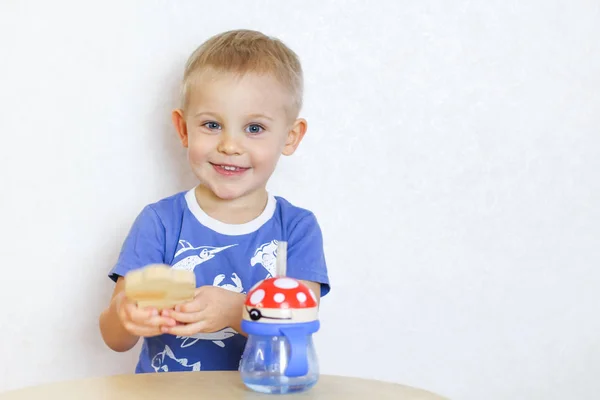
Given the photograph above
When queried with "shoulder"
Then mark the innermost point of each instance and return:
(301, 230)
(295, 218)
(291, 213)
(167, 209)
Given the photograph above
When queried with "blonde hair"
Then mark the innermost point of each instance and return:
(243, 51)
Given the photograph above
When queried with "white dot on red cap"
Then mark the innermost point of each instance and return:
(279, 297)
(257, 296)
(286, 283)
(312, 294)
(301, 297)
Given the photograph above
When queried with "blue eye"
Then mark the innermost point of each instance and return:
(254, 129)
(212, 125)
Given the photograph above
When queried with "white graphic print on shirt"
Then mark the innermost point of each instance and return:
(162, 360)
(205, 253)
(237, 283)
(216, 337)
(266, 255)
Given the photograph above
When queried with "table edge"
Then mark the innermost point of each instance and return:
(125, 375)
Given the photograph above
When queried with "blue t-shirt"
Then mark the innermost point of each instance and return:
(177, 232)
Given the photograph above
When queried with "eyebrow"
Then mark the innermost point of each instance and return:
(214, 115)
(206, 114)
(252, 116)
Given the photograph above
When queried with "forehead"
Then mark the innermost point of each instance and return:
(226, 92)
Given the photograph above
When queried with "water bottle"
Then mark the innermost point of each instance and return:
(280, 316)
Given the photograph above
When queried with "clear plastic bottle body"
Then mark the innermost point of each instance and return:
(264, 363)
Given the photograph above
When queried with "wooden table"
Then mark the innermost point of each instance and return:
(210, 385)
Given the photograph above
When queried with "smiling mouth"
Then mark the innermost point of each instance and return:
(228, 169)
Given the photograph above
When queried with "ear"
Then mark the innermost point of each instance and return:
(294, 137)
(179, 121)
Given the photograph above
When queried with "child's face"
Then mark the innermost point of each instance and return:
(235, 129)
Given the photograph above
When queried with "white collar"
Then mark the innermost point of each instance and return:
(230, 229)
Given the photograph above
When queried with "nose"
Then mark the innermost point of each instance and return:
(229, 144)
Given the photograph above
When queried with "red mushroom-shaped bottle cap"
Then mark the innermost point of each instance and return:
(281, 300)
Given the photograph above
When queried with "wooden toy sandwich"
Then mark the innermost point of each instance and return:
(160, 286)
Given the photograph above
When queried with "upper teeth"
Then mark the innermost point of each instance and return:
(228, 168)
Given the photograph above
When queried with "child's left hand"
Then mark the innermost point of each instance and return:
(212, 309)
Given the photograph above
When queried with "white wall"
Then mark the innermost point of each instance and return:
(452, 158)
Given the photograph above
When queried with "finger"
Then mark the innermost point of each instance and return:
(158, 321)
(139, 330)
(139, 315)
(185, 330)
(124, 311)
(119, 299)
(130, 307)
(148, 317)
(154, 321)
(185, 317)
(195, 305)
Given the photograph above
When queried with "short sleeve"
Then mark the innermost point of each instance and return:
(144, 244)
(305, 254)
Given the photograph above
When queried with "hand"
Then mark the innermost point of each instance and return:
(212, 309)
(137, 321)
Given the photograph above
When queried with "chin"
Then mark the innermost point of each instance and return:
(228, 193)
(228, 190)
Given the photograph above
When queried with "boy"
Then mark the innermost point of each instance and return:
(241, 96)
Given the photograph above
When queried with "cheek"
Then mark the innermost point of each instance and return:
(196, 153)
(266, 154)
(265, 161)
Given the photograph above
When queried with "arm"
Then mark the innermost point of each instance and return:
(316, 288)
(113, 332)
(237, 308)
(122, 323)
(306, 256)
(212, 309)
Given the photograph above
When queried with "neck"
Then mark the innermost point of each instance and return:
(232, 211)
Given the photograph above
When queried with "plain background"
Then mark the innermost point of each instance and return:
(452, 159)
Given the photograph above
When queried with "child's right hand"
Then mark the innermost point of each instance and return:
(144, 322)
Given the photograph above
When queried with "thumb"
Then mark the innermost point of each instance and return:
(194, 305)
(118, 300)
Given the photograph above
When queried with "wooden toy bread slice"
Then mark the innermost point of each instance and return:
(160, 286)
